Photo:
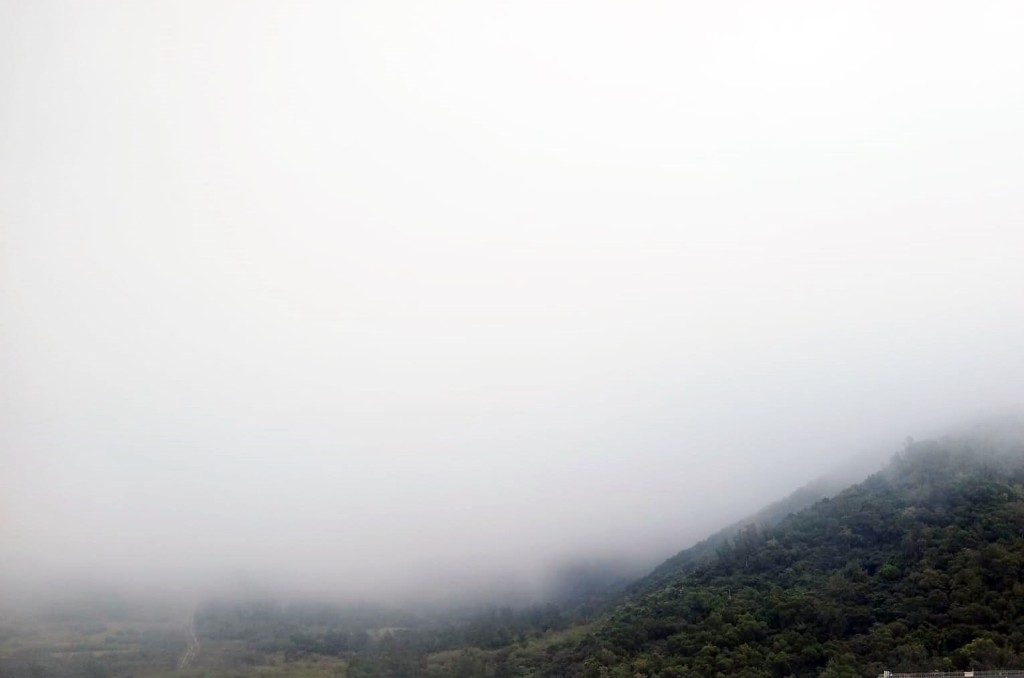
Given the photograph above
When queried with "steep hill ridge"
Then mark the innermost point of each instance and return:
(920, 567)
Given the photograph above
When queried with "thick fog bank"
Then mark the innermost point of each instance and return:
(400, 299)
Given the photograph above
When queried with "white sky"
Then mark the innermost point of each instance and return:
(365, 292)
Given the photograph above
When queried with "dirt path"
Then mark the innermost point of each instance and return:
(193, 646)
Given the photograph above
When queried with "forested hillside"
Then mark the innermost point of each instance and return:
(707, 549)
(920, 567)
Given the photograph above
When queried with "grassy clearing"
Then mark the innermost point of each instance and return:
(275, 667)
(141, 649)
(93, 648)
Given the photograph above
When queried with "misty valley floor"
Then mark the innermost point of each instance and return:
(91, 646)
(917, 568)
(96, 648)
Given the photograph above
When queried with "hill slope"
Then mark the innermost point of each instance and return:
(920, 567)
(706, 550)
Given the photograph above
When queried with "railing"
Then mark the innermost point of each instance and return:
(1003, 673)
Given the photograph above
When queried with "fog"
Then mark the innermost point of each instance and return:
(381, 299)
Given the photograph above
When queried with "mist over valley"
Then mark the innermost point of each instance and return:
(510, 339)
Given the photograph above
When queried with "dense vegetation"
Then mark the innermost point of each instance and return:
(707, 550)
(918, 568)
